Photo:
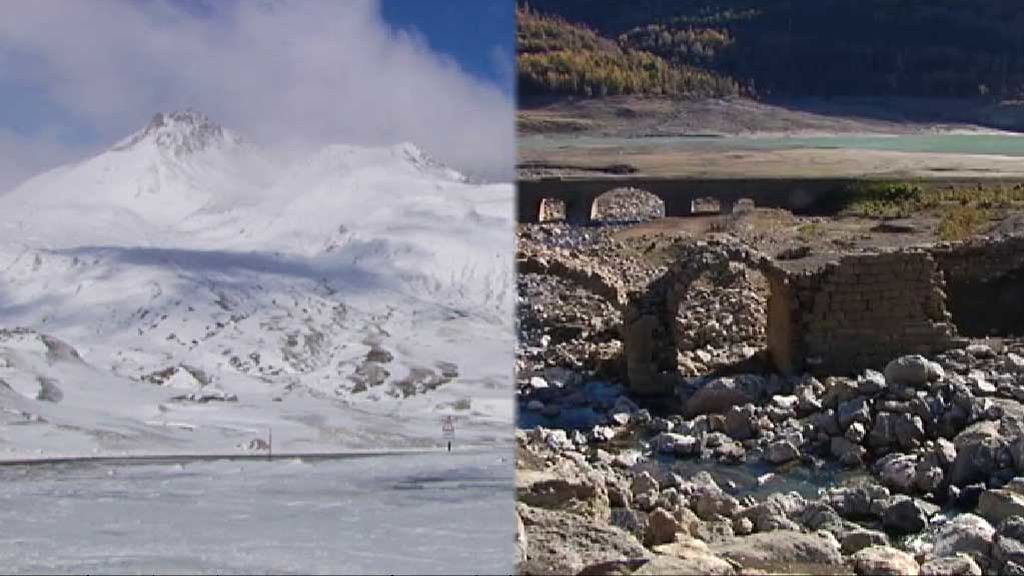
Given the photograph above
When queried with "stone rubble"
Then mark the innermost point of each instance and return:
(928, 450)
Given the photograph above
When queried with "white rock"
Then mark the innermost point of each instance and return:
(538, 383)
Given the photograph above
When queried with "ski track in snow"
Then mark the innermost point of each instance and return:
(188, 292)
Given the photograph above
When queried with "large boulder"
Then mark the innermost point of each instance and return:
(966, 533)
(770, 514)
(896, 429)
(884, 561)
(711, 504)
(1008, 546)
(677, 444)
(740, 422)
(898, 471)
(846, 452)
(854, 410)
(997, 505)
(644, 482)
(565, 487)
(564, 543)
(691, 556)
(781, 452)
(865, 502)
(774, 551)
(661, 527)
(860, 538)
(913, 370)
(631, 520)
(959, 565)
(906, 516)
(980, 450)
(717, 396)
(691, 564)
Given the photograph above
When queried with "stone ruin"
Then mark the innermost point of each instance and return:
(843, 314)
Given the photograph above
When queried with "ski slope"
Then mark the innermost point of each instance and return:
(186, 291)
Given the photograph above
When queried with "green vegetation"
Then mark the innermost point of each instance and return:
(933, 48)
(557, 57)
(883, 200)
(901, 199)
(810, 231)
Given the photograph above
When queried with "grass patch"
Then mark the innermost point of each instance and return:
(810, 231)
(961, 222)
(882, 200)
(887, 200)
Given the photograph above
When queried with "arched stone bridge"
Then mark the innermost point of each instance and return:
(678, 193)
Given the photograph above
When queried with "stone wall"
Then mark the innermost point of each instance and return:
(650, 334)
(841, 316)
(985, 285)
(981, 260)
(858, 312)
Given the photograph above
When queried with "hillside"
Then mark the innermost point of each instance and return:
(819, 48)
(561, 58)
(187, 291)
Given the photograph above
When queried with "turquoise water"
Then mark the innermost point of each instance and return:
(991, 144)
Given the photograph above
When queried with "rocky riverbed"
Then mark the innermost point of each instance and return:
(915, 467)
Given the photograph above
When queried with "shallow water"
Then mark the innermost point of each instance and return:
(437, 513)
(989, 144)
(583, 418)
(759, 479)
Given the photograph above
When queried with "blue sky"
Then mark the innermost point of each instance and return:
(479, 34)
(78, 76)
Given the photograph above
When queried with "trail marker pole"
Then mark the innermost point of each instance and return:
(448, 430)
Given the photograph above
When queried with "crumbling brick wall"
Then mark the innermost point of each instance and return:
(985, 285)
(841, 316)
(648, 333)
(857, 312)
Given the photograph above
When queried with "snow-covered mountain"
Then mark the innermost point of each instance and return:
(187, 291)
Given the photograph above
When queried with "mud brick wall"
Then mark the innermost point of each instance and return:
(858, 312)
(985, 286)
(648, 334)
(981, 261)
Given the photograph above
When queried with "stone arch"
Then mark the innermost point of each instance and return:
(627, 204)
(704, 205)
(651, 341)
(551, 210)
(722, 204)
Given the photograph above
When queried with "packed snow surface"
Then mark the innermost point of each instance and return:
(411, 514)
(186, 291)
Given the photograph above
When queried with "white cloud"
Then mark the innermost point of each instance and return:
(298, 72)
(24, 156)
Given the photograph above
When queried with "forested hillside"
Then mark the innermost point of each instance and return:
(931, 48)
(557, 57)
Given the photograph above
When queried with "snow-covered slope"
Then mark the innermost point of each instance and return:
(186, 291)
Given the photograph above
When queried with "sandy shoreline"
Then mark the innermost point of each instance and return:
(785, 163)
(568, 137)
(629, 116)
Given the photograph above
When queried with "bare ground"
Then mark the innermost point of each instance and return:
(632, 116)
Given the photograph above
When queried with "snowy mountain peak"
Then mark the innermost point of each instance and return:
(418, 158)
(180, 133)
